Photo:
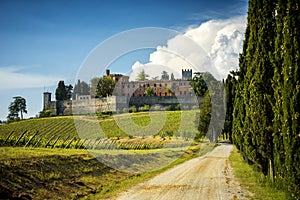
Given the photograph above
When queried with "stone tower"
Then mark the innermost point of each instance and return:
(47, 101)
(187, 74)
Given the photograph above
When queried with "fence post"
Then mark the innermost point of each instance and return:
(20, 137)
(70, 142)
(55, 141)
(61, 146)
(41, 137)
(49, 140)
(28, 142)
(8, 137)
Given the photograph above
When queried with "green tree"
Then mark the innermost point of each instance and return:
(204, 117)
(198, 84)
(287, 95)
(16, 107)
(154, 78)
(230, 93)
(164, 76)
(172, 77)
(169, 91)
(105, 87)
(63, 92)
(252, 111)
(142, 76)
(149, 91)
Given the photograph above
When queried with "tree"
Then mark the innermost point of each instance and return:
(164, 76)
(198, 84)
(63, 92)
(154, 78)
(149, 91)
(142, 76)
(172, 77)
(18, 105)
(287, 94)
(169, 91)
(230, 93)
(105, 87)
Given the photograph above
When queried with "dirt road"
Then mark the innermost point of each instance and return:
(206, 177)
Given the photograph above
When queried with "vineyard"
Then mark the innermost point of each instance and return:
(125, 131)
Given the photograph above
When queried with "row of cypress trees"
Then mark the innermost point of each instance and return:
(263, 96)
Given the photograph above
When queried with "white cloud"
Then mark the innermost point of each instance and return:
(214, 46)
(12, 78)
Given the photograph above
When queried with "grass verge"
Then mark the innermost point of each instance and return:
(115, 188)
(253, 181)
(44, 173)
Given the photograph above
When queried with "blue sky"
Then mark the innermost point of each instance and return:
(45, 41)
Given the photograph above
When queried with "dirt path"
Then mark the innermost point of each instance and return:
(207, 177)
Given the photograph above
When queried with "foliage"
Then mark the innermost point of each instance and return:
(18, 105)
(63, 92)
(266, 110)
(164, 76)
(251, 180)
(142, 76)
(172, 77)
(198, 84)
(230, 93)
(212, 110)
(132, 109)
(149, 91)
(88, 127)
(46, 113)
(105, 87)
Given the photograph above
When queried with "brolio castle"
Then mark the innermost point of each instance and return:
(166, 92)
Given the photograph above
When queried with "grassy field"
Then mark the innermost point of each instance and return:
(43, 173)
(65, 128)
(120, 151)
(253, 181)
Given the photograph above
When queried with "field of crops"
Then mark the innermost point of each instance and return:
(125, 131)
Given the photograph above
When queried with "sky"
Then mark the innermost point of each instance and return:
(43, 42)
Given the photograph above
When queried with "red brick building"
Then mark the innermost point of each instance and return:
(177, 87)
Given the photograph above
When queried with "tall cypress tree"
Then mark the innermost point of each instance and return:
(252, 112)
(278, 154)
(288, 101)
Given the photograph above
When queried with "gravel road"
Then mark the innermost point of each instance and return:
(206, 177)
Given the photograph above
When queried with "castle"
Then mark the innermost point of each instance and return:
(128, 93)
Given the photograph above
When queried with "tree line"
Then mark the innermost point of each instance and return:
(263, 96)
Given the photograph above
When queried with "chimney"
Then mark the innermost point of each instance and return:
(107, 72)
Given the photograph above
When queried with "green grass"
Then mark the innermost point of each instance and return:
(116, 126)
(253, 181)
(116, 188)
(72, 174)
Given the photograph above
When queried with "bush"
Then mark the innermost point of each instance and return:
(46, 113)
(144, 108)
(178, 107)
(168, 108)
(132, 109)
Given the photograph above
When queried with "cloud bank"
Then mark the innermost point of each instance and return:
(12, 78)
(214, 46)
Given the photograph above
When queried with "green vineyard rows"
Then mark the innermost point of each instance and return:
(93, 133)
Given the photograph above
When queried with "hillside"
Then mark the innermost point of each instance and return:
(65, 128)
